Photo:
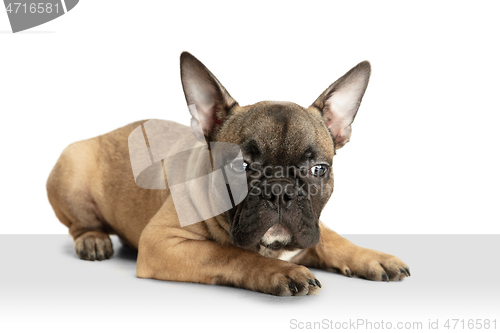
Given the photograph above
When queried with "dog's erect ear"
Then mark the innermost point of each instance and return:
(340, 102)
(208, 101)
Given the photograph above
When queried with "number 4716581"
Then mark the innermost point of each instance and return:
(33, 8)
(471, 324)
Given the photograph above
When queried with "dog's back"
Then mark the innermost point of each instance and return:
(89, 173)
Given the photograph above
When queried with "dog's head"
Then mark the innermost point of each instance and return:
(287, 153)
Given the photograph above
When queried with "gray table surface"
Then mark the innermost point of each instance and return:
(44, 285)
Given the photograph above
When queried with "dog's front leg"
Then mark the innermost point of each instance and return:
(189, 255)
(334, 252)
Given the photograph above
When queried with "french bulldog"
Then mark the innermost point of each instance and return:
(266, 241)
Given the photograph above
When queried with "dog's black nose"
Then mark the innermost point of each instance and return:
(279, 193)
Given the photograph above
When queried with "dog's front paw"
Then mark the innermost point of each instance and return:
(94, 245)
(376, 266)
(290, 280)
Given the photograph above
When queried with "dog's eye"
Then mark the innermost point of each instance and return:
(240, 166)
(319, 170)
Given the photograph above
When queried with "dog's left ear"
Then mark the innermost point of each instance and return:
(340, 102)
(207, 99)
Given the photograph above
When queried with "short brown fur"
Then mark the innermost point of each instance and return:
(93, 192)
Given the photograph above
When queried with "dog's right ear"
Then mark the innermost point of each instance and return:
(207, 99)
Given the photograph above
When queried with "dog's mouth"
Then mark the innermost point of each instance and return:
(275, 246)
(254, 230)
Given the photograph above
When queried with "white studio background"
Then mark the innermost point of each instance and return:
(423, 158)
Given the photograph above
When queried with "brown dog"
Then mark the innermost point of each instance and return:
(265, 242)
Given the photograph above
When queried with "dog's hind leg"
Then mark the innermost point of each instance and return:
(71, 198)
(89, 232)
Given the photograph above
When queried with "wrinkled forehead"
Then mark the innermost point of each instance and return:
(280, 133)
